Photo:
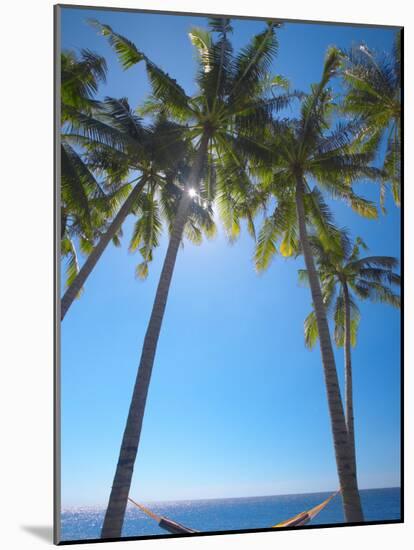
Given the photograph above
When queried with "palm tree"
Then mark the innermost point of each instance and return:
(219, 117)
(306, 149)
(373, 93)
(369, 278)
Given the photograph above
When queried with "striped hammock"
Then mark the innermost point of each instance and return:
(177, 528)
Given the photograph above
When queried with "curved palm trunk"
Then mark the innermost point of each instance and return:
(115, 512)
(97, 252)
(344, 463)
(349, 406)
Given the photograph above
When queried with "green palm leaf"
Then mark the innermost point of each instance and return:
(128, 53)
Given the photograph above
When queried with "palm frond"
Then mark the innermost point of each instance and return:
(94, 129)
(122, 116)
(167, 90)
(68, 251)
(146, 232)
(253, 63)
(322, 220)
(382, 262)
(202, 41)
(128, 53)
(80, 78)
(311, 330)
(280, 224)
(376, 292)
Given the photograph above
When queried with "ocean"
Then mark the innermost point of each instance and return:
(230, 513)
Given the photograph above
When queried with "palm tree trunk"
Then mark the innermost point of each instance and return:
(115, 512)
(97, 252)
(349, 406)
(344, 463)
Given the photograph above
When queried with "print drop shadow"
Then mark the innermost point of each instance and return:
(44, 532)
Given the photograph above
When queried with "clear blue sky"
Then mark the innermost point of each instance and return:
(237, 405)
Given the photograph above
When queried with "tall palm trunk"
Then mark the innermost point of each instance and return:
(349, 406)
(344, 463)
(97, 252)
(115, 512)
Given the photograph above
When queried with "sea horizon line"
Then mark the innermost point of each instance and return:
(174, 501)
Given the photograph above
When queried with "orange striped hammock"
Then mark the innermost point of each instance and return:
(177, 528)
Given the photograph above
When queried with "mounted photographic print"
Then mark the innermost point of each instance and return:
(228, 274)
